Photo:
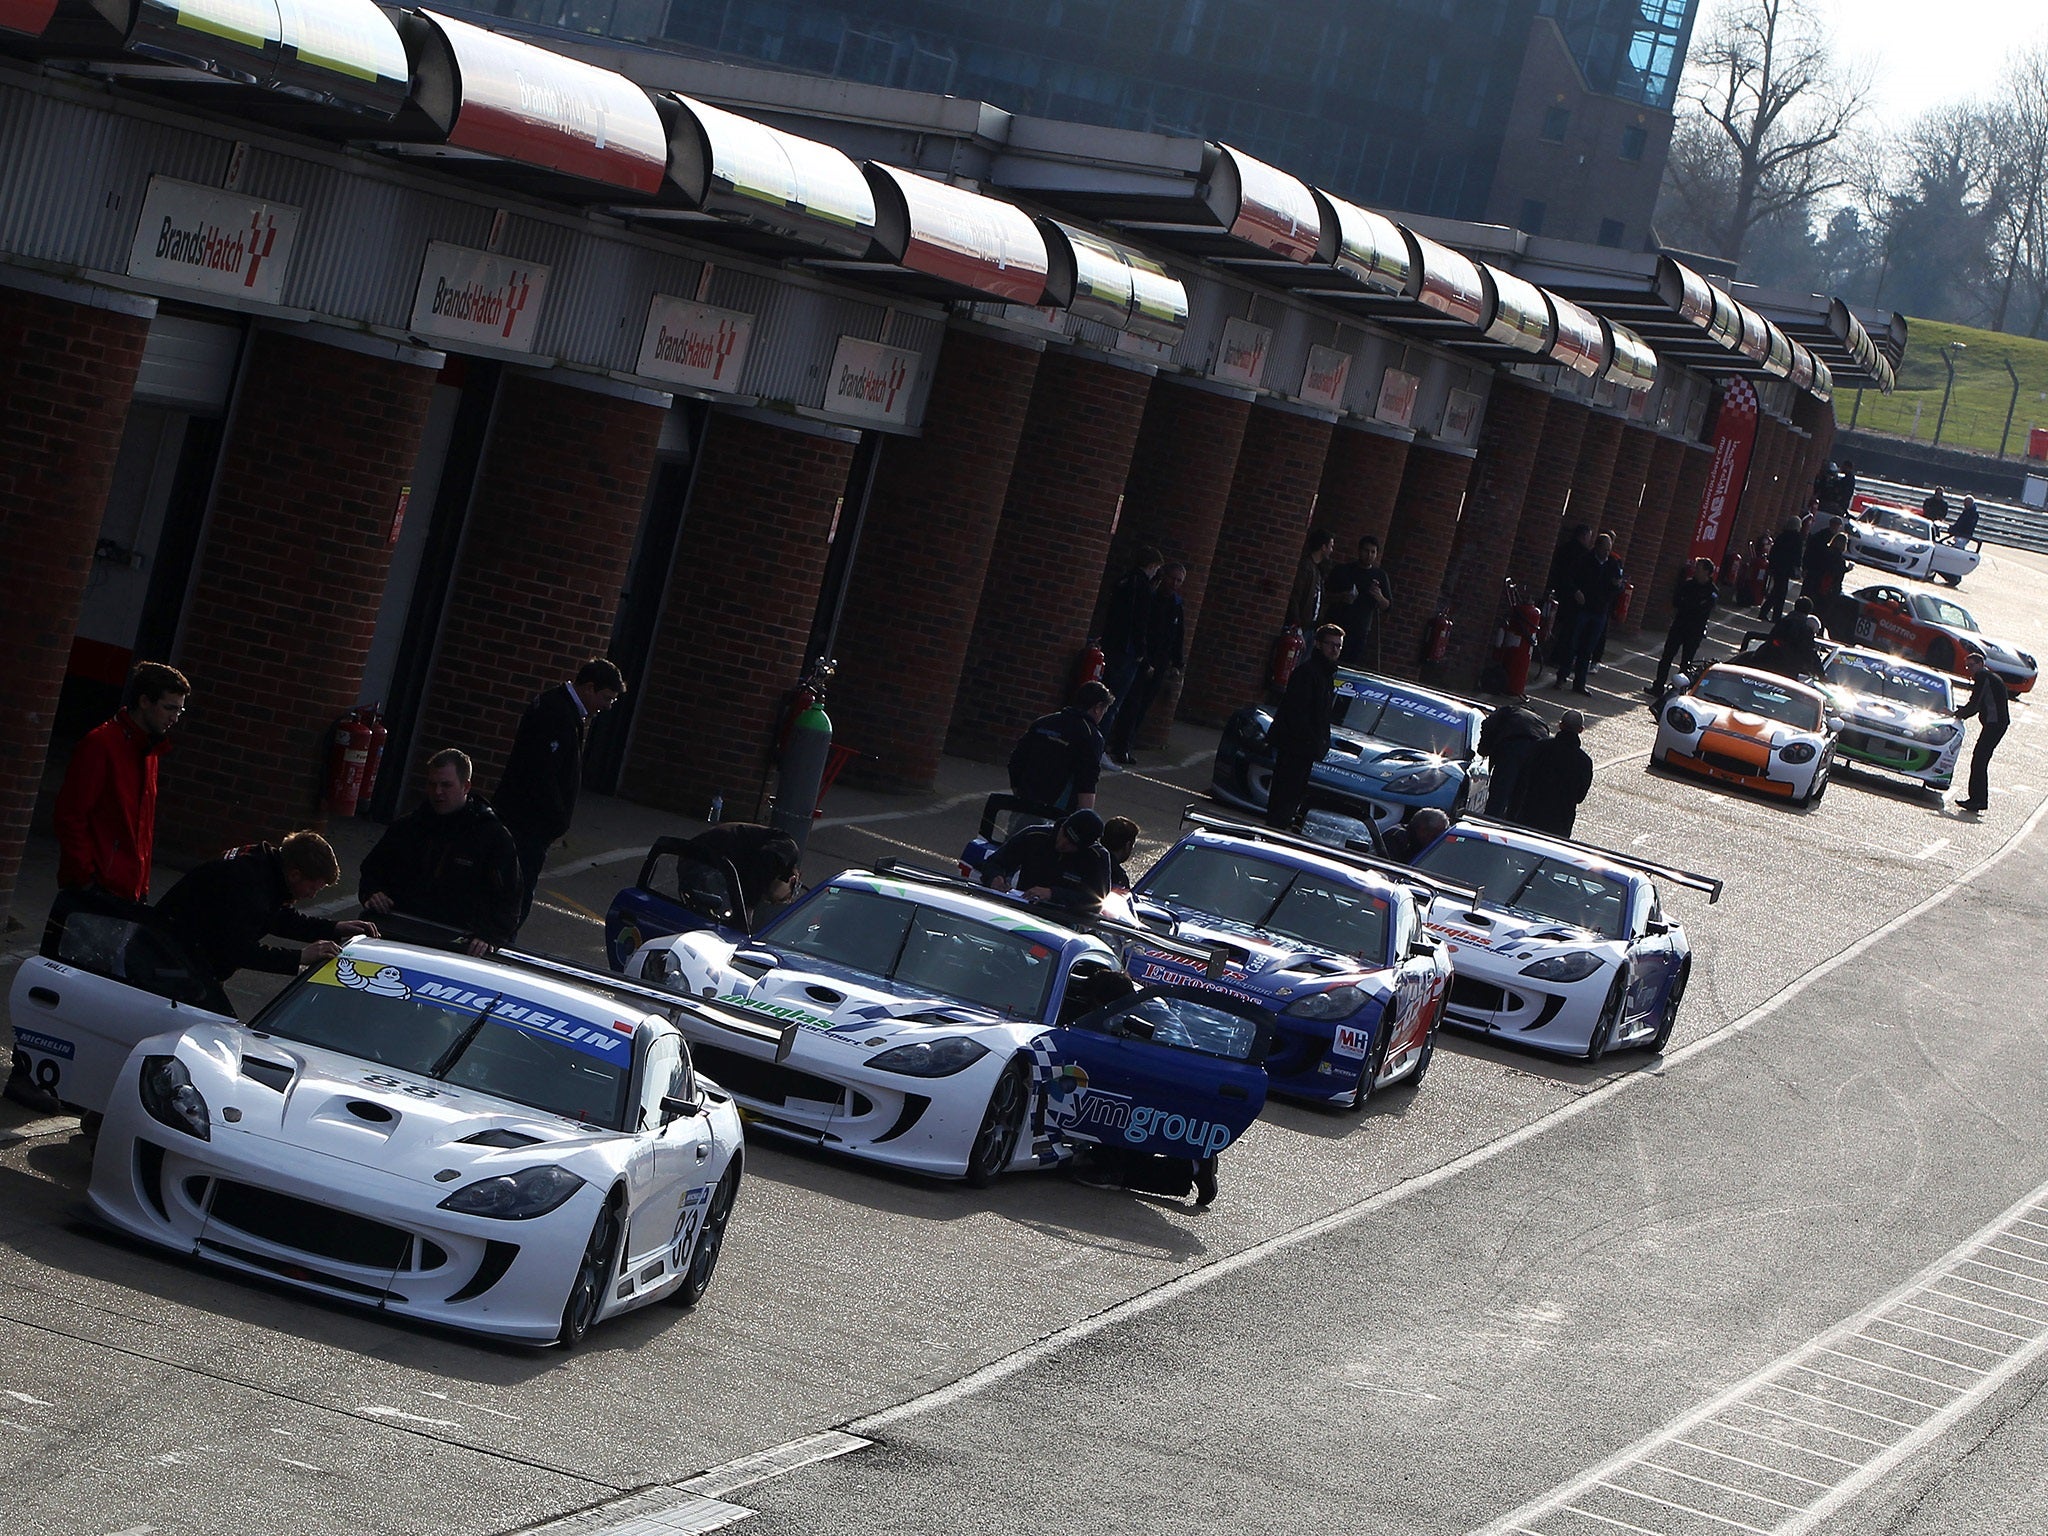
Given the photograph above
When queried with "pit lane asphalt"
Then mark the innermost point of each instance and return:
(1423, 1368)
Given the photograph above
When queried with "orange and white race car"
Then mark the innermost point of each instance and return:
(1925, 627)
(1750, 728)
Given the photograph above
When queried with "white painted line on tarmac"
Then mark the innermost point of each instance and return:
(758, 1468)
(997, 1371)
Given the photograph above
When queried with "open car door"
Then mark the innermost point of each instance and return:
(109, 975)
(1175, 1071)
(677, 892)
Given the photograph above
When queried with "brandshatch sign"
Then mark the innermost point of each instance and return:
(1323, 380)
(871, 381)
(694, 344)
(222, 242)
(1241, 355)
(474, 296)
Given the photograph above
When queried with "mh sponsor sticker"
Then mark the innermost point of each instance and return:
(1350, 1041)
(475, 296)
(220, 242)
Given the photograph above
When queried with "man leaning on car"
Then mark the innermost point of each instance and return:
(223, 909)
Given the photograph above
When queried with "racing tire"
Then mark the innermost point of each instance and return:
(1369, 1074)
(704, 1258)
(1609, 1020)
(1669, 1018)
(1414, 1079)
(593, 1274)
(995, 1143)
(1953, 578)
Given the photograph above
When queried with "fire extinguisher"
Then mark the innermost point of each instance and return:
(1436, 637)
(1287, 654)
(373, 717)
(1623, 602)
(1089, 666)
(348, 751)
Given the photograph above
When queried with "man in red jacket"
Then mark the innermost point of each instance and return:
(106, 811)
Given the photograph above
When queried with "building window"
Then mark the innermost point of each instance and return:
(1633, 139)
(1531, 221)
(1556, 122)
(1610, 232)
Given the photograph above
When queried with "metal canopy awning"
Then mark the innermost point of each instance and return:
(932, 240)
(494, 108)
(1579, 340)
(1097, 279)
(1632, 363)
(1833, 334)
(758, 189)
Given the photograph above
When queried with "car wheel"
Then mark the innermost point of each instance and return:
(586, 1295)
(1669, 1017)
(1369, 1073)
(704, 1261)
(1414, 1079)
(1953, 578)
(1609, 1020)
(996, 1142)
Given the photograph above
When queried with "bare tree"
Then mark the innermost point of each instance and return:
(2018, 134)
(1766, 109)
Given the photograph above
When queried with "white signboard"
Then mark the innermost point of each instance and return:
(1241, 357)
(694, 344)
(871, 381)
(473, 296)
(222, 242)
(1396, 404)
(1323, 380)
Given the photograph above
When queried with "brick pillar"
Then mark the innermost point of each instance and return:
(1592, 482)
(1038, 600)
(1761, 486)
(67, 371)
(1631, 476)
(1419, 549)
(924, 552)
(1258, 551)
(1512, 440)
(737, 617)
(291, 574)
(1663, 534)
(1181, 474)
(1554, 494)
(544, 556)
(1361, 480)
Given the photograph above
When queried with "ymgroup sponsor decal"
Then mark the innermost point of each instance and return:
(200, 237)
(694, 344)
(1241, 354)
(871, 381)
(475, 296)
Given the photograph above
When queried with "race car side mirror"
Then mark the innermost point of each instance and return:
(1424, 947)
(675, 1109)
(1656, 927)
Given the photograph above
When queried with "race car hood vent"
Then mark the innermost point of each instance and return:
(500, 1136)
(275, 1075)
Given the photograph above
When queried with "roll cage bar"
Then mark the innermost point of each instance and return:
(1668, 872)
(1368, 856)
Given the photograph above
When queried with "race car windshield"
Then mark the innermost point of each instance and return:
(1905, 522)
(489, 1041)
(1760, 696)
(1369, 709)
(1875, 679)
(1312, 909)
(1533, 884)
(1939, 610)
(921, 949)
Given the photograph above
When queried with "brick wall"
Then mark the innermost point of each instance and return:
(1663, 535)
(917, 580)
(1593, 480)
(1047, 566)
(1418, 550)
(1512, 440)
(1555, 491)
(741, 596)
(1626, 489)
(1638, 530)
(291, 573)
(1181, 472)
(544, 555)
(1760, 488)
(66, 374)
(1361, 481)
(1258, 551)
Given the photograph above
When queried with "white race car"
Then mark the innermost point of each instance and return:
(1567, 948)
(472, 1143)
(1896, 715)
(1756, 729)
(1895, 538)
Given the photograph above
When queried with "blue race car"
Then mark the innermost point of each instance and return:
(677, 892)
(1394, 746)
(1331, 942)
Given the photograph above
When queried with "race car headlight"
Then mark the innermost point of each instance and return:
(1796, 752)
(1337, 1003)
(1936, 732)
(1573, 965)
(170, 1098)
(930, 1058)
(1418, 782)
(1679, 718)
(517, 1196)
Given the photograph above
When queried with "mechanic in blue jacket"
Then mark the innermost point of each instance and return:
(1057, 761)
(1066, 864)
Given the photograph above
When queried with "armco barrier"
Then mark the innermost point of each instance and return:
(1998, 522)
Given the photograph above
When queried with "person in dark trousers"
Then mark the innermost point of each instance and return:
(1506, 738)
(450, 861)
(1555, 780)
(1788, 554)
(1360, 593)
(1305, 600)
(536, 797)
(1125, 629)
(1562, 585)
(1058, 759)
(1066, 864)
(1964, 528)
(223, 909)
(1832, 568)
(1692, 603)
(1300, 733)
(106, 807)
(1600, 580)
(765, 862)
(1813, 559)
(1165, 657)
(1991, 706)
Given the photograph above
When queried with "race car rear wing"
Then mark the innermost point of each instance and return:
(668, 1004)
(1361, 855)
(1666, 872)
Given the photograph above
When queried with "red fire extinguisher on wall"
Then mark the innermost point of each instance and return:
(373, 717)
(1436, 636)
(1089, 666)
(1624, 602)
(1514, 643)
(348, 753)
(1287, 654)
